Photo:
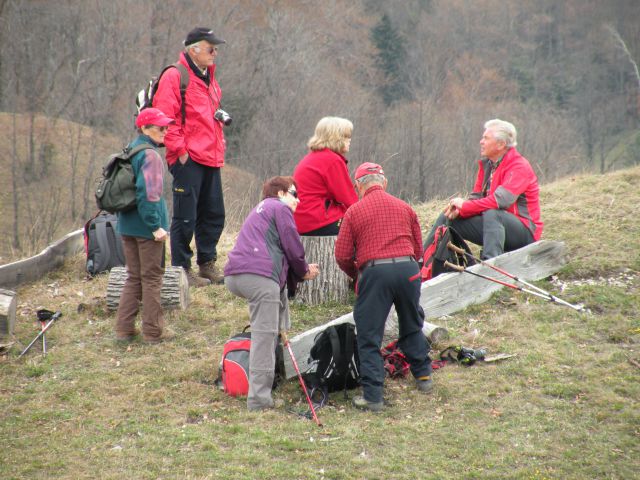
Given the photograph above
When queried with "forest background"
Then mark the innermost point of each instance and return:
(418, 78)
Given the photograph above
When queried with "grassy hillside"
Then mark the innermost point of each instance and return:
(66, 162)
(567, 407)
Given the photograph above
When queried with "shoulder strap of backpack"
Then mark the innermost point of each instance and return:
(184, 82)
(129, 152)
(348, 353)
(336, 350)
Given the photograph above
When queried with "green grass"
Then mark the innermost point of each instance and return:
(566, 407)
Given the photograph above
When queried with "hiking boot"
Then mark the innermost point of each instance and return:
(195, 280)
(363, 404)
(127, 339)
(209, 271)
(424, 384)
(166, 336)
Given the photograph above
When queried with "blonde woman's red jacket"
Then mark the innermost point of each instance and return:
(201, 135)
(324, 188)
(514, 188)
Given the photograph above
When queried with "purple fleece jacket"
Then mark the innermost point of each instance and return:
(268, 244)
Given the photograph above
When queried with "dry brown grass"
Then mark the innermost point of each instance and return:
(566, 407)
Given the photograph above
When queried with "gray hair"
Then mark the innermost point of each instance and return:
(372, 178)
(503, 130)
(193, 45)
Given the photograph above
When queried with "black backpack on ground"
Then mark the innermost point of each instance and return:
(437, 253)
(102, 243)
(116, 191)
(335, 364)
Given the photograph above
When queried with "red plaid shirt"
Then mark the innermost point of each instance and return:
(378, 226)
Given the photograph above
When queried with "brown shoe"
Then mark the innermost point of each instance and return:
(208, 270)
(166, 336)
(195, 280)
(127, 339)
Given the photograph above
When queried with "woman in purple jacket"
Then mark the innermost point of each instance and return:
(268, 249)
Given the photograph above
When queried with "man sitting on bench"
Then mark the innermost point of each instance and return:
(503, 212)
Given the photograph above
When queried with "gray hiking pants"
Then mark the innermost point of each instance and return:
(497, 231)
(269, 313)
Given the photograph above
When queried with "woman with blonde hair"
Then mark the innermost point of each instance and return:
(322, 177)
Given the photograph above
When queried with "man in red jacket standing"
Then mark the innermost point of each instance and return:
(195, 154)
(503, 212)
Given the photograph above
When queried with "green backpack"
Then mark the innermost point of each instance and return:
(116, 191)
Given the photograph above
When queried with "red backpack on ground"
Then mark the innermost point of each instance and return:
(437, 252)
(233, 373)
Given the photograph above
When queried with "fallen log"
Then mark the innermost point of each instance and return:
(451, 292)
(7, 312)
(34, 268)
(174, 294)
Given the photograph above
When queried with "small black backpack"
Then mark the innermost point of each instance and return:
(335, 364)
(103, 244)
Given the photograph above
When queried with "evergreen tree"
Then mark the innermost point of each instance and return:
(390, 61)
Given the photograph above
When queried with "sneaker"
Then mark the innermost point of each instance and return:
(209, 271)
(196, 281)
(424, 384)
(363, 404)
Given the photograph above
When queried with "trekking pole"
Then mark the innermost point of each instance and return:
(54, 317)
(491, 279)
(551, 297)
(44, 338)
(302, 384)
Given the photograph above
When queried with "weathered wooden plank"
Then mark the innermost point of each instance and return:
(33, 268)
(332, 284)
(451, 292)
(7, 312)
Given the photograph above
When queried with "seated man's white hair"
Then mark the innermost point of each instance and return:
(503, 130)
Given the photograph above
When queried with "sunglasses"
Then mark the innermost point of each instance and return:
(161, 129)
(293, 193)
(209, 50)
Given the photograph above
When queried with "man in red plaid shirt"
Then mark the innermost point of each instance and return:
(378, 244)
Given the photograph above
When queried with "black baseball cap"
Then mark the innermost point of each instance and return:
(201, 33)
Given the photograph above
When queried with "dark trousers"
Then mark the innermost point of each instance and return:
(379, 287)
(145, 269)
(326, 231)
(198, 207)
(497, 231)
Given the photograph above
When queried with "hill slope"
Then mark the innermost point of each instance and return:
(566, 407)
(55, 183)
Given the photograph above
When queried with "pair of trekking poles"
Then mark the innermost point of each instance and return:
(532, 289)
(46, 318)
